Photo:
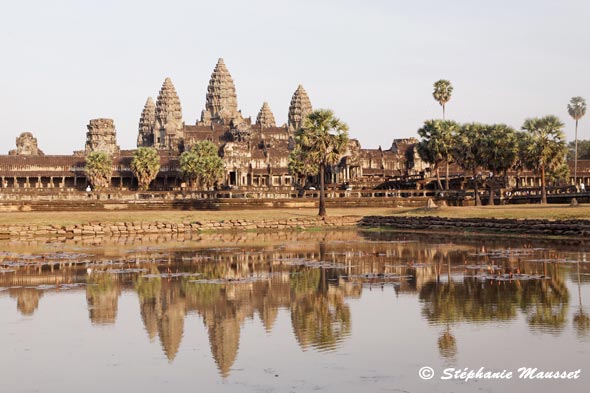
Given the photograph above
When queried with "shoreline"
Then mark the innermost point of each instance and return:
(562, 222)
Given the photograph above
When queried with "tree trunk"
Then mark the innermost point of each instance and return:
(322, 212)
(576, 157)
(543, 187)
(447, 177)
(443, 105)
(476, 189)
(491, 200)
(440, 187)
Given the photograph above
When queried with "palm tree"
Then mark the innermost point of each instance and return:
(201, 165)
(145, 166)
(442, 93)
(499, 153)
(98, 169)
(324, 140)
(466, 151)
(547, 148)
(577, 109)
(436, 144)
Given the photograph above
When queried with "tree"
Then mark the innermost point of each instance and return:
(145, 166)
(442, 93)
(436, 144)
(547, 148)
(583, 150)
(300, 164)
(523, 157)
(577, 109)
(498, 154)
(466, 151)
(323, 140)
(98, 169)
(201, 165)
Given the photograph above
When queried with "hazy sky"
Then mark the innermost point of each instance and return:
(372, 62)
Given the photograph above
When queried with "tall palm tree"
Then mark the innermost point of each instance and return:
(442, 93)
(323, 139)
(577, 109)
(98, 169)
(499, 153)
(436, 144)
(145, 166)
(466, 151)
(547, 148)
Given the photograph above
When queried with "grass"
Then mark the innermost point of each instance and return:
(535, 211)
(178, 216)
(549, 212)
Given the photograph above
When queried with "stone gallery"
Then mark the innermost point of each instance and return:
(255, 153)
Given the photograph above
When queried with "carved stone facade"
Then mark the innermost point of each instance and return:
(168, 127)
(101, 136)
(26, 145)
(265, 117)
(221, 106)
(147, 122)
(300, 107)
(255, 155)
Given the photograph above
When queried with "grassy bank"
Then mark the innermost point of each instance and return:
(550, 212)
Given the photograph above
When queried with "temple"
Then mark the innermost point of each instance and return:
(255, 154)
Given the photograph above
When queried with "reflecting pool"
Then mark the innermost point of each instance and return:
(329, 311)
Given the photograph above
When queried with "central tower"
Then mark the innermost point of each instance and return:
(222, 102)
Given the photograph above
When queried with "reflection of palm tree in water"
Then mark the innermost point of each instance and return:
(581, 320)
(447, 344)
(546, 301)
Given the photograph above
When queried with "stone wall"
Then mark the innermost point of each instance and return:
(575, 228)
(111, 229)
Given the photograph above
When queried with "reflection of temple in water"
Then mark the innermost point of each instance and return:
(262, 275)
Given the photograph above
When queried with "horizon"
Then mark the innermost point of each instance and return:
(374, 64)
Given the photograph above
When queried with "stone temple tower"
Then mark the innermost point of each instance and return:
(101, 136)
(300, 107)
(168, 127)
(147, 121)
(265, 117)
(222, 103)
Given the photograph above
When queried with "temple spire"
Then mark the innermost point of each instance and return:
(265, 117)
(169, 126)
(222, 102)
(147, 123)
(300, 107)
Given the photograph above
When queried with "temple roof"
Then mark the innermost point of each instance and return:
(299, 108)
(222, 101)
(168, 108)
(265, 117)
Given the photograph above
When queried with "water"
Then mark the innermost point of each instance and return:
(340, 311)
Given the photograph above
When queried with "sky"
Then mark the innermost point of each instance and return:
(373, 62)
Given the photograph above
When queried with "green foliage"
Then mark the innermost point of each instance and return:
(322, 141)
(499, 148)
(436, 144)
(145, 166)
(442, 93)
(300, 164)
(323, 138)
(577, 108)
(467, 146)
(98, 169)
(583, 150)
(201, 165)
(547, 148)
(560, 174)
